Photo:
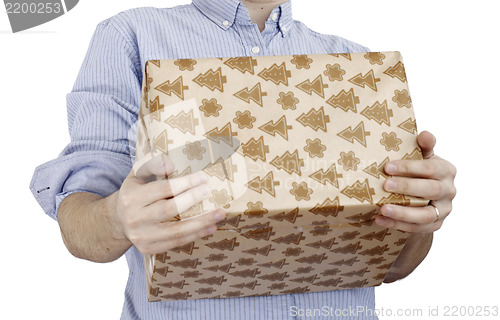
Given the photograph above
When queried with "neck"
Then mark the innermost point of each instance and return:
(260, 10)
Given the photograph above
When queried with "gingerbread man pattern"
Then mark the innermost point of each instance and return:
(308, 138)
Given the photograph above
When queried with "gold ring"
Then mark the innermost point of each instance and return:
(437, 213)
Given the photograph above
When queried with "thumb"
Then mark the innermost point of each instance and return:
(427, 142)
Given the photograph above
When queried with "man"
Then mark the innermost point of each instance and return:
(104, 209)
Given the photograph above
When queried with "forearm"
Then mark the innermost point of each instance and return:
(86, 227)
(413, 253)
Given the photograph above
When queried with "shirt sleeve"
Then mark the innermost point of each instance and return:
(102, 111)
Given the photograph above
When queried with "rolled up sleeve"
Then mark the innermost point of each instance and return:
(102, 112)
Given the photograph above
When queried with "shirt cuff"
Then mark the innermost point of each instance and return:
(99, 172)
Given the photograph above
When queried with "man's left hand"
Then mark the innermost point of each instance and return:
(431, 178)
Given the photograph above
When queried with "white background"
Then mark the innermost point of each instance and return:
(451, 54)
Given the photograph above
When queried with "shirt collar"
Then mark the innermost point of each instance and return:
(225, 13)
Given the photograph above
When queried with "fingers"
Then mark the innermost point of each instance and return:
(427, 142)
(167, 188)
(165, 236)
(166, 209)
(417, 215)
(159, 165)
(406, 226)
(423, 188)
(428, 168)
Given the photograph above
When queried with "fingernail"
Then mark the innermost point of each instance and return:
(220, 215)
(202, 177)
(388, 211)
(204, 190)
(390, 185)
(390, 168)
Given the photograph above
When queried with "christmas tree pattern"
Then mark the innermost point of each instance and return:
(155, 291)
(393, 198)
(334, 72)
(316, 86)
(303, 270)
(155, 62)
(331, 272)
(211, 79)
(366, 80)
(246, 261)
(210, 107)
(290, 162)
(402, 98)
(355, 284)
(255, 149)
(329, 283)
(233, 221)
(267, 184)
(185, 122)
(409, 125)
(292, 238)
(249, 285)
(263, 251)
(277, 264)
(278, 286)
(328, 207)
(360, 191)
(363, 216)
(162, 271)
(255, 210)
(290, 216)
(216, 257)
(345, 55)
(315, 258)
(178, 284)
(416, 154)
(176, 88)
(191, 274)
(350, 248)
(358, 273)
(185, 64)
(162, 257)
(378, 260)
(390, 141)
(205, 290)
(315, 119)
(276, 74)
(242, 64)
(327, 244)
(397, 71)
(379, 112)
(187, 248)
(301, 191)
(330, 175)
(314, 148)
(345, 100)
(221, 169)
(377, 170)
(161, 142)
(301, 61)
(225, 134)
(375, 57)
(348, 262)
(247, 273)
(145, 91)
(155, 108)
(255, 94)
(288, 100)
(259, 231)
(277, 276)
(280, 127)
(349, 161)
(233, 294)
(359, 134)
(244, 119)
(224, 268)
(225, 244)
(194, 150)
(378, 250)
(296, 290)
(380, 235)
(309, 279)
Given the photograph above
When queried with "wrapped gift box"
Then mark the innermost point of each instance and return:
(294, 147)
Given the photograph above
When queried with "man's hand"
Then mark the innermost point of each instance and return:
(431, 178)
(142, 207)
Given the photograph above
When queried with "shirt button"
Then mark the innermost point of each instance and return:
(283, 28)
(274, 16)
(225, 23)
(255, 50)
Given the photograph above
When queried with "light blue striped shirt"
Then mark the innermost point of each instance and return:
(104, 105)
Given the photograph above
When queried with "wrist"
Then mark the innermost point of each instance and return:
(109, 204)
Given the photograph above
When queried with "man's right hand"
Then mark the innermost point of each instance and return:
(144, 209)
